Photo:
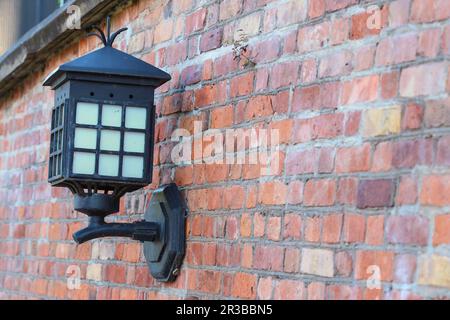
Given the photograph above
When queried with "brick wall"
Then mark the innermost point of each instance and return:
(359, 91)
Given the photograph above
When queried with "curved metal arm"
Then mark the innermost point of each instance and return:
(97, 228)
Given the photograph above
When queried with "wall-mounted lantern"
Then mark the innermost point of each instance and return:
(102, 137)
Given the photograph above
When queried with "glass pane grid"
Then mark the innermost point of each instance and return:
(120, 135)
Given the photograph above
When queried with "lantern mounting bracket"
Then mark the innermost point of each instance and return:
(162, 231)
(109, 38)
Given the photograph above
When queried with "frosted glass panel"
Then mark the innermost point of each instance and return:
(112, 115)
(87, 113)
(85, 138)
(110, 140)
(134, 142)
(133, 167)
(83, 163)
(108, 165)
(136, 118)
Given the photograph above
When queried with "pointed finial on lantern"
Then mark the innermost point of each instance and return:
(107, 40)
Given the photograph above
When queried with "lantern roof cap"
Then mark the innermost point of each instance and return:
(113, 62)
(108, 61)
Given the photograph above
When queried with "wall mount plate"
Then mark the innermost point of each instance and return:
(165, 255)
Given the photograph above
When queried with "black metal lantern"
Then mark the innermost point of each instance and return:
(101, 147)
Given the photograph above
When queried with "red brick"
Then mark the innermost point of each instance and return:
(230, 8)
(262, 79)
(258, 106)
(389, 84)
(265, 288)
(383, 259)
(399, 12)
(429, 43)
(407, 230)
(316, 291)
(208, 281)
(332, 225)
(354, 228)
(347, 191)
(268, 258)
(242, 85)
(364, 24)
(292, 260)
(265, 50)
(211, 40)
(312, 229)
(222, 117)
(395, 50)
(344, 263)
(321, 96)
(435, 190)
(441, 228)
(284, 74)
(375, 230)
(336, 64)
(360, 90)
(224, 65)
(206, 95)
(316, 9)
(404, 268)
(353, 159)
(425, 79)
(364, 58)
(289, 290)
(273, 228)
(291, 12)
(437, 113)
(443, 151)
(191, 75)
(273, 193)
(333, 5)
(292, 226)
(429, 10)
(258, 225)
(308, 71)
(196, 21)
(382, 157)
(343, 292)
(375, 193)
(290, 43)
(312, 38)
(412, 117)
(320, 192)
(407, 191)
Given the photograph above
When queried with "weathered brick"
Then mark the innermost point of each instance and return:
(360, 90)
(354, 228)
(242, 85)
(318, 262)
(434, 270)
(404, 268)
(316, 97)
(382, 121)
(407, 230)
(289, 290)
(383, 259)
(375, 193)
(332, 225)
(395, 50)
(353, 159)
(320, 192)
(344, 263)
(425, 79)
(211, 40)
(435, 190)
(441, 227)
